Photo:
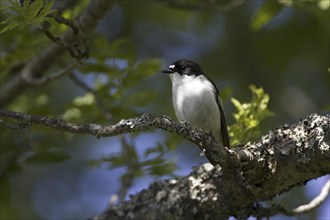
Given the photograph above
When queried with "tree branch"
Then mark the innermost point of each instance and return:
(279, 209)
(51, 76)
(317, 201)
(285, 157)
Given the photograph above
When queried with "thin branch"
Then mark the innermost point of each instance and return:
(316, 202)
(57, 17)
(49, 77)
(17, 126)
(266, 212)
(57, 40)
(143, 123)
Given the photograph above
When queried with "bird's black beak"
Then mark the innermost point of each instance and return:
(168, 71)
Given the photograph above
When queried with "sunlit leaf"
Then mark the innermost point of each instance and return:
(31, 13)
(324, 4)
(173, 141)
(157, 149)
(162, 169)
(47, 9)
(116, 161)
(268, 10)
(87, 99)
(248, 116)
(71, 113)
(153, 162)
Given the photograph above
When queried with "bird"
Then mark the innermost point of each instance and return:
(196, 99)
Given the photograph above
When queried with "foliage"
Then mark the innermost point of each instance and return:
(268, 10)
(117, 80)
(151, 163)
(248, 117)
(29, 13)
(48, 157)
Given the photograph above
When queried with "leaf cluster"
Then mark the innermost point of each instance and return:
(248, 117)
(28, 13)
(270, 8)
(151, 162)
(115, 85)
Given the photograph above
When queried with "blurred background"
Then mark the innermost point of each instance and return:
(281, 46)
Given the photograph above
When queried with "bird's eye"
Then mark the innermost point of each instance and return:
(183, 67)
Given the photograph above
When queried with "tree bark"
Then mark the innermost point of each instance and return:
(237, 179)
(285, 158)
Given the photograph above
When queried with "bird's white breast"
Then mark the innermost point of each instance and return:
(194, 101)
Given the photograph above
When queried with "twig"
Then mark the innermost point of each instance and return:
(317, 201)
(266, 212)
(19, 125)
(57, 17)
(57, 40)
(48, 77)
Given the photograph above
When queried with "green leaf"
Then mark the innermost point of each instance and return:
(9, 27)
(153, 162)
(173, 141)
(31, 13)
(31, 9)
(248, 116)
(158, 149)
(71, 113)
(268, 10)
(48, 157)
(87, 99)
(324, 4)
(47, 9)
(237, 104)
(162, 169)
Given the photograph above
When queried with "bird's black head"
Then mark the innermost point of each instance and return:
(185, 67)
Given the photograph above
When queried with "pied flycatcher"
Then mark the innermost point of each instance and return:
(196, 99)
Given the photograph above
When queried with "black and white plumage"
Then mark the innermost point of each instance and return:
(196, 99)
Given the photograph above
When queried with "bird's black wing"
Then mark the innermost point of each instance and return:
(223, 123)
(224, 131)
